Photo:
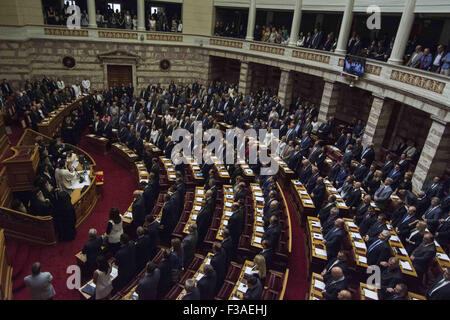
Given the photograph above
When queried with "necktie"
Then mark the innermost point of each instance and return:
(380, 191)
(374, 245)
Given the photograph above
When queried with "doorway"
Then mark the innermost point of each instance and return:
(119, 74)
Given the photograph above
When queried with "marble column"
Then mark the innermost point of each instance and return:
(295, 29)
(403, 31)
(251, 20)
(346, 25)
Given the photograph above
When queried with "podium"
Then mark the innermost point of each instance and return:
(21, 168)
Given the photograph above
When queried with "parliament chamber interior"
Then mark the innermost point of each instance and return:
(224, 150)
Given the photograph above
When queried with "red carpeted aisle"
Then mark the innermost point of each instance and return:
(297, 284)
(118, 191)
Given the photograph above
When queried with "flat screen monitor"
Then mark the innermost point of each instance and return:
(354, 65)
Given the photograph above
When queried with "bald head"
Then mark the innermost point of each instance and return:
(344, 295)
(336, 273)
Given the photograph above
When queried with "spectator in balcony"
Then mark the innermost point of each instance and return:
(128, 20)
(415, 57)
(180, 26)
(100, 19)
(273, 35)
(121, 21)
(152, 23)
(51, 16)
(301, 40)
(329, 43)
(334, 46)
(388, 52)
(308, 40)
(445, 68)
(371, 50)
(437, 61)
(257, 35)
(265, 34)
(351, 42)
(84, 19)
(316, 39)
(113, 19)
(426, 60)
(134, 22)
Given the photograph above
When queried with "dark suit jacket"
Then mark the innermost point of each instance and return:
(218, 262)
(380, 253)
(235, 225)
(194, 295)
(138, 211)
(335, 262)
(423, 257)
(366, 223)
(147, 288)
(207, 286)
(142, 251)
(334, 240)
(332, 289)
(442, 293)
(92, 249)
(353, 198)
(125, 259)
(273, 235)
(188, 246)
(324, 213)
(254, 293)
(390, 278)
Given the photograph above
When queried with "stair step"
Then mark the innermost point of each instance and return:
(20, 260)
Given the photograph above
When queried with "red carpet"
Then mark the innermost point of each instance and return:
(297, 285)
(118, 191)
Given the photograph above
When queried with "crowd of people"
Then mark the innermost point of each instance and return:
(124, 19)
(151, 116)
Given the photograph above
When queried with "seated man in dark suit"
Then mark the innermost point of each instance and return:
(391, 275)
(333, 239)
(440, 289)
(147, 288)
(192, 292)
(369, 219)
(255, 288)
(424, 254)
(379, 250)
(207, 284)
(142, 248)
(339, 261)
(92, 249)
(125, 259)
(335, 284)
(400, 292)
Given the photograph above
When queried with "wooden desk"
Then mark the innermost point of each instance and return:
(316, 287)
(368, 292)
(169, 167)
(317, 248)
(156, 152)
(143, 175)
(284, 171)
(97, 143)
(334, 153)
(441, 257)
(199, 199)
(402, 255)
(195, 169)
(52, 124)
(358, 245)
(122, 154)
(258, 222)
(340, 203)
(241, 285)
(226, 213)
(302, 200)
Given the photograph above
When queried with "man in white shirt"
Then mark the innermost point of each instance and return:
(436, 66)
(39, 283)
(64, 177)
(60, 84)
(77, 90)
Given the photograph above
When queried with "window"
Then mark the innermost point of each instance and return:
(154, 10)
(115, 6)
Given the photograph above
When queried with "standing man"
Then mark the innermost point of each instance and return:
(40, 283)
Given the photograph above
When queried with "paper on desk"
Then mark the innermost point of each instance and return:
(208, 261)
(332, 189)
(260, 229)
(259, 219)
(259, 199)
(362, 259)
(258, 240)
(199, 199)
(360, 245)
(303, 192)
(370, 294)
(140, 165)
(200, 191)
(259, 210)
(320, 252)
(242, 288)
(248, 171)
(172, 176)
(229, 196)
(194, 217)
(351, 224)
(114, 272)
(297, 183)
(258, 194)
(228, 213)
(394, 238)
(319, 284)
(225, 222)
(197, 208)
(170, 169)
(143, 181)
(355, 235)
(128, 215)
(315, 224)
(199, 276)
(317, 236)
(403, 251)
(442, 256)
(406, 265)
(306, 201)
(228, 204)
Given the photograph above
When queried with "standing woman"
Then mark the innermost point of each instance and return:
(260, 268)
(176, 257)
(65, 216)
(102, 279)
(114, 230)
